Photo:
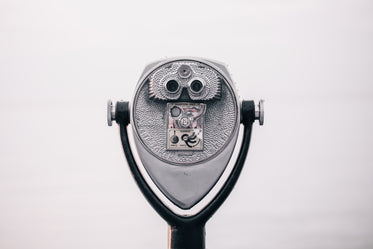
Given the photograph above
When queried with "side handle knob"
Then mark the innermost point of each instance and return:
(110, 113)
(259, 112)
(121, 114)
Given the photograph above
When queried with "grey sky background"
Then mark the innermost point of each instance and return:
(307, 183)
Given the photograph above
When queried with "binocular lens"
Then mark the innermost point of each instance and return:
(196, 86)
(172, 86)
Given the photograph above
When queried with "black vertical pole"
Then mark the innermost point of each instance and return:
(186, 236)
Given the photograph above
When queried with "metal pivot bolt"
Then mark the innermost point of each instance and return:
(110, 113)
(259, 112)
(120, 113)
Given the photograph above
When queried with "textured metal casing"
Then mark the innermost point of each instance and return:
(185, 177)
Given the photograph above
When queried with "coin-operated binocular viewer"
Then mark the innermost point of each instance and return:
(185, 117)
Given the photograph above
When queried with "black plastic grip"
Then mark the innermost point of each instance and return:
(122, 112)
(248, 112)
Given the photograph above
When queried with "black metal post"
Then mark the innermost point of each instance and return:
(186, 236)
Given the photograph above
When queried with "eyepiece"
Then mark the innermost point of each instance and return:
(172, 86)
(196, 86)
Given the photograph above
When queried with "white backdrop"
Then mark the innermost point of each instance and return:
(64, 181)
